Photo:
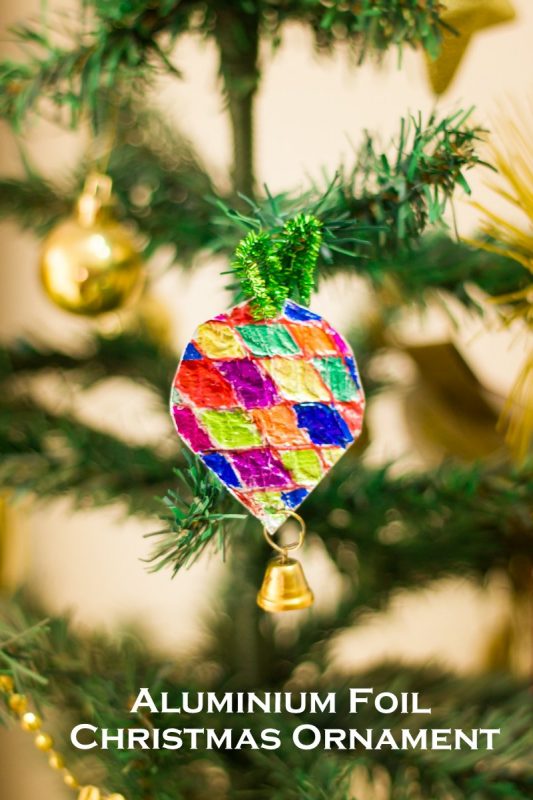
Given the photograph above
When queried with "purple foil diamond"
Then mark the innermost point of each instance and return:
(189, 427)
(253, 387)
(259, 469)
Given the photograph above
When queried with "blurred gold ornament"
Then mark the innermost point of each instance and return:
(90, 263)
(13, 546)
(284, 586)
(511, 235)
(467, 17)
(510, 647)
(447, 410)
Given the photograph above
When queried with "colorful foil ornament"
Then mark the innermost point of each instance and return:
(269, 406)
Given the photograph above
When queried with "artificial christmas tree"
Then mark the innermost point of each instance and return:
(381, 530)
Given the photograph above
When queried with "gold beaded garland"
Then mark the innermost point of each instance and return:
(29, 721)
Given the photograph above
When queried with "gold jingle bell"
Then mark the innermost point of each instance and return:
(90, 263)
(285, 587)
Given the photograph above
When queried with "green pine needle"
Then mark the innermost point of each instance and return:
(127, 43)
(194, 521)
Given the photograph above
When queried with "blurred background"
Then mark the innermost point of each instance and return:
(312, 112)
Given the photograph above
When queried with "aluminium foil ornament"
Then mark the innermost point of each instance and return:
(269, 406)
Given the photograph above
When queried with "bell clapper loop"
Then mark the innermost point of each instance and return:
(284, 549)
(284, 585)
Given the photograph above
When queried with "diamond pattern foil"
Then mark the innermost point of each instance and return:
(268, 406)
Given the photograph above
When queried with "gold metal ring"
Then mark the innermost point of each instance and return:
(284, 549)
(96, 193)
(99, 186)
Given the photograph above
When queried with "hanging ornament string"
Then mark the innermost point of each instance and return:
(32, 723)
(273, 270)
(103, 139)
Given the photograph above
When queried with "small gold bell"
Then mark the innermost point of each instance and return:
(284, 586)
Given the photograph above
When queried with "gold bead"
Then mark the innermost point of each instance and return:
(31, 721)
(18, 703)
(56, 761)
(89, 793)
(6, 684)
(44, 742)
(70, 781)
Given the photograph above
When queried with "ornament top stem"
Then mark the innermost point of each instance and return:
(96, 194)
